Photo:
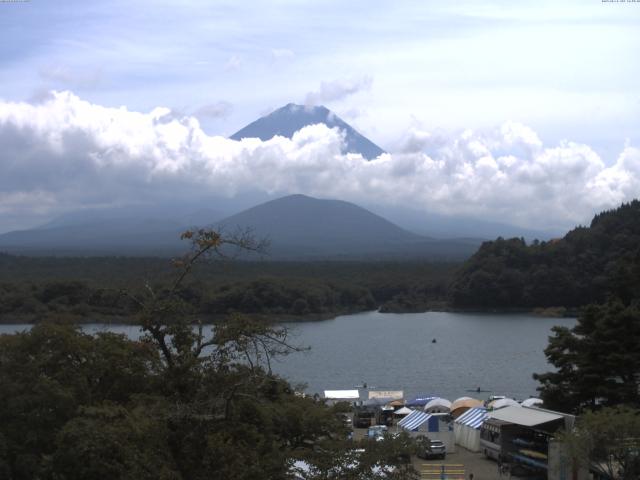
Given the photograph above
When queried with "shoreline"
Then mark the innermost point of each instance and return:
(552, 312)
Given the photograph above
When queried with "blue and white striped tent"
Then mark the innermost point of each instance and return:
(420, 420)
(466, 428)
(474, 417)
(414, 420)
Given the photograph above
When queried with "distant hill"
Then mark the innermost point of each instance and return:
(109, 237)
(289, 119)
(304, 227)
(145, 231)
(586, 266)
(298, 227)
(456, 226)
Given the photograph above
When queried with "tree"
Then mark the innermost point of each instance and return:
(234, 418)
(597, 361)
(587, 265)
(610, 440)
(111, 441)
(50, 372)
(184, 402)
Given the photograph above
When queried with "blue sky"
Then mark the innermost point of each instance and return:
(567, 70)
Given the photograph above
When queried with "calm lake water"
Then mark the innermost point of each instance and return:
(497, 352)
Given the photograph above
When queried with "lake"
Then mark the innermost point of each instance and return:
(497, 352)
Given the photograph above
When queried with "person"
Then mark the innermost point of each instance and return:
(500, 465)
(471, 476)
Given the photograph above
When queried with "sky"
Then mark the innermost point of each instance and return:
(525, 112)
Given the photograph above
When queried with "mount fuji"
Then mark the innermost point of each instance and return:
(289, 119)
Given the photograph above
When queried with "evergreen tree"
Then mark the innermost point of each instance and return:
(597, 361)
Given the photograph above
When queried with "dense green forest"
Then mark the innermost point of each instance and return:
(33, 288)
(589, 265)
(180, 403)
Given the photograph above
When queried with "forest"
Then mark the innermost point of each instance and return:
(589, 265)
(89, 288)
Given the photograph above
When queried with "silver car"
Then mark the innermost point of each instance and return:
(431, 449)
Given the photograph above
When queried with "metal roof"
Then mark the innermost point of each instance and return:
(526, 416)
(473, 417)
(342, 394)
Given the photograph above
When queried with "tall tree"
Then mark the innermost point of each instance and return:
(610, 439)
(597, 361)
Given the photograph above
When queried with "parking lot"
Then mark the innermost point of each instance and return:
(458, 465)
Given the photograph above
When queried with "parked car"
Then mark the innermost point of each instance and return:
(377, 432)
(345, 418)
(427, 448)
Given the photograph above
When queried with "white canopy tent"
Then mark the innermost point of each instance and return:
(532, 402)
(438, 405)
(403, 411)
(503, 402)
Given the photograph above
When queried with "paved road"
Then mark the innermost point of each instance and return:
(461, 463)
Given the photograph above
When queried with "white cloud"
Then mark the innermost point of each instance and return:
(63, 152)
(220, 109)
(338, 90)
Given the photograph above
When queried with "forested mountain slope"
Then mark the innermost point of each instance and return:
(588, 265)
